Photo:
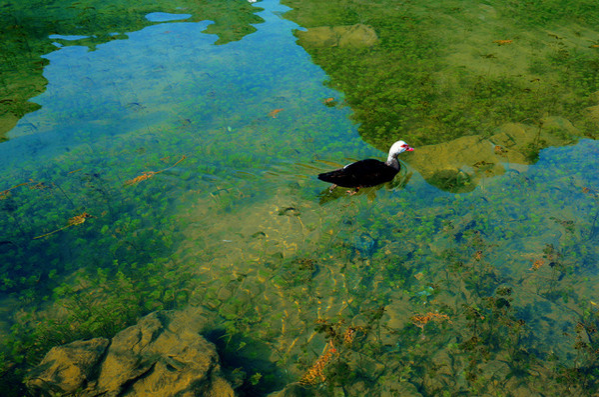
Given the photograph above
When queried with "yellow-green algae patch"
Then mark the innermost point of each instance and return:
(440, 71)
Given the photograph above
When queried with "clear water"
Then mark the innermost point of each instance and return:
(166, 158)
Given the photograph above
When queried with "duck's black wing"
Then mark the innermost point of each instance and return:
(364, 173)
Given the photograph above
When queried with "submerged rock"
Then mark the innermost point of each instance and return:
(365, 245)
(162, 356)
(354, 36)
(293, 390)
(459, 165)
(67, 368)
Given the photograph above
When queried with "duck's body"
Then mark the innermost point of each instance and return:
(364, 173)
(369, 172)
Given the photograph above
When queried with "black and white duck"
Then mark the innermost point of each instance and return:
(369, 172)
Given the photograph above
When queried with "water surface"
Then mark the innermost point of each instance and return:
(166, 159)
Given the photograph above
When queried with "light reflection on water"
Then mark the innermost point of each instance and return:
(242, 212)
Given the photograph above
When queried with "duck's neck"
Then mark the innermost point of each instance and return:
(392, 162)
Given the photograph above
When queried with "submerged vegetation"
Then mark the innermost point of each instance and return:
(443, 70)
(25, 38)
(403, 288)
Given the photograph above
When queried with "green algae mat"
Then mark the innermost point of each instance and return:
(163, 155)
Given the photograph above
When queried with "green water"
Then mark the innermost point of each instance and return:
(164, 156)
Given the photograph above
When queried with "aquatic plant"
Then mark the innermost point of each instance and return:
(150, 174)
(315, 374)
(432, 97)
(76, 220)
(411, 252)
(89, 307)
(420, 320)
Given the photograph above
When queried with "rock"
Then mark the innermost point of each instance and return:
(293, 390)
(354, 36)
(458, 165)
(163, 355)
(565, 130)
(593, 113)
(67, 368)
(396, 388)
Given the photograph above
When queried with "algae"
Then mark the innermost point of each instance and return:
(404, 288)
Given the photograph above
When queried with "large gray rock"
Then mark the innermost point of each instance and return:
(160, 356)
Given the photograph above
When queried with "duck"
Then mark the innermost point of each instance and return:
(368, 172)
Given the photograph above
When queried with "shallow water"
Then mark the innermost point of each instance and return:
(171, 161)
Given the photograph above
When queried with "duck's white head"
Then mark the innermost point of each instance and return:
(397, 148)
